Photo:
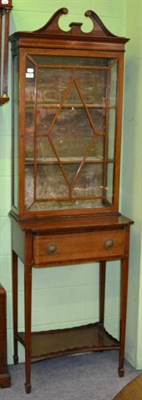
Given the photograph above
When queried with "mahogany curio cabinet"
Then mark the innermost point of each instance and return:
(67, 114)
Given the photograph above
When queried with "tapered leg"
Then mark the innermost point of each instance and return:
(102, 290)
(28, 308)
(28, 293)
(15, 303)
(123, 297)
(123, 309)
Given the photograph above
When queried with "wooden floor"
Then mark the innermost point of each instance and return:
(132, 391)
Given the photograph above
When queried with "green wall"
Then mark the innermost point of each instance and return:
(69, 295)
(131, 182)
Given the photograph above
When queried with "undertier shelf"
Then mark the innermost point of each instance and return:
(92, 337)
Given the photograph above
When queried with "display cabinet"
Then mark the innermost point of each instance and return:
(67, 139)
(67, 114)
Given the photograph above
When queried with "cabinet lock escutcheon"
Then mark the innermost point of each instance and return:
(52, 248)
(109, 243)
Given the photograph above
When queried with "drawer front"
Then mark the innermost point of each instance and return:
(78, 247)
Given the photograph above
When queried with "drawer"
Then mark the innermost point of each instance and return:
(75, 247)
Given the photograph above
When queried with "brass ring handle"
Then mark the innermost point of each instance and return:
(52, 248)
(109, 244)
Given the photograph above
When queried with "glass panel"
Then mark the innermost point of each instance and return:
(29, 147)
(71, 171)
(111, 133)
(44, 150)
(113, 84)
(15, 112)
(29, 185)
(30, 98)
(110, 183)
(29, 120)
(45, 117)
(52, 84)
(30, 83)
(97, 150)
(98, 117)
(72, 133)
(74, 97)
(65, 205)
(30, 109)
(89, 182)
(50, 182)
(29, 133)
(92, 85)
(65, 60)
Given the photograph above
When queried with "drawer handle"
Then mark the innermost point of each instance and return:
(52, 248)
(109, 244)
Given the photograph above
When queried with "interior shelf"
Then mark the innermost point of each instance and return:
(65, 160)
(31, 104)
(86, 338)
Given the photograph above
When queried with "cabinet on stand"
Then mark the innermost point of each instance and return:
(67, 113)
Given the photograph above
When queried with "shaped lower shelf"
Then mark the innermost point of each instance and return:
(92, 337)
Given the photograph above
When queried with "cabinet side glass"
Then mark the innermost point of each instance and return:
(15, 132)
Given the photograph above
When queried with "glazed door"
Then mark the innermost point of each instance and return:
(70, 132)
